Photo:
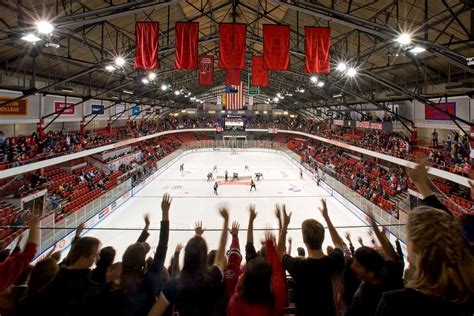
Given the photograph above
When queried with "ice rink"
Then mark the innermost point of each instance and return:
(194, 200)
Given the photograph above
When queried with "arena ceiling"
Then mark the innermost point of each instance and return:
(90, 34)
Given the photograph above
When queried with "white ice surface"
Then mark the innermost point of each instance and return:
(194, 200)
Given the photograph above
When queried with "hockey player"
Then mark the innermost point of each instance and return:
(215, 188)
(252, 186)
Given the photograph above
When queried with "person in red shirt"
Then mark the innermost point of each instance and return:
(16, 263)
(264, 290)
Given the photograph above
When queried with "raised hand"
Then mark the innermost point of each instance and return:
(224, 212)
(198, 228)
(324, 209)
(348, 237)
(80, 229)
(286, 218)
(147, 220)
(178, 248)
(234, 231)
(253, 213)
(290, 240)
(419, 173)
(359, 239)
(166, 203)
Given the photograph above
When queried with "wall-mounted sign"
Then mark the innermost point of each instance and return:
(97, 109)
(136, 110)
(18, 107)
(433, 114)
(59, 105)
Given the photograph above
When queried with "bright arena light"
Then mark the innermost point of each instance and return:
(320, 84)
(275, 99)
(109, 68)
(152, 76)
(31, 38)
(164, 87)
(119, 61)
(177, 92)
(404, 39)
(313, 79)
(145, 81)
(44, 27)
(351, 72)
(341, 67)
(417, 49)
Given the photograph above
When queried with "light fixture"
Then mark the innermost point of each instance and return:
(417, 49)
(265, 112)
(223, 111)
(67, 89)
(115, 97)
(164, 87)
(275, 99)
(177, 92)
(201, 101)
(341, 67)
(285, 113)
(279, 95)
(320, 84)
(44, 27)
(192, 98)
(313, 79)
(183, 111)
(351, 72)
(404, 39)
(292, 115)
(31, 38)
(119, 61)
(52, 45)
(127, 91)
(288, 94)
(110, 68)
(151, 76)
(176, 114)
(145, 81)
(337, 95)
(256, 112)
(189, 94)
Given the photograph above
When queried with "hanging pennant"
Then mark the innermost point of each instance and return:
(317, 49)
(232, 77)
(146, 45)
(206, 70)
(276, 47)
(232, 45)
(259, 73)
(186, 46)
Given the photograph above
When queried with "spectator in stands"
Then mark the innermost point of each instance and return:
(17, 262)
(106, 258)
(73, 291)
(141, 284)
(434, 138)
(313, 275)
(54, 201)
(41, 275)
(197, 288)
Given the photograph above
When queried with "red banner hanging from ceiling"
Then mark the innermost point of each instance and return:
(232, 77)
(186, 45)
(276, 47)
(232, 45)
(206, 70)
(259, 73)
(317, 45)
(146, 45)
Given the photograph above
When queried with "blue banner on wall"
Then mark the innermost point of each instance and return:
(97, 109)
(135, 110)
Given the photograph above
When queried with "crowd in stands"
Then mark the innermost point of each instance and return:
(343, 279)
(454, 155)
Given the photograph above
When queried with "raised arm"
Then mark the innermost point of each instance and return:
(220, 259)
(285, 222)
(290, 242)
(160, 254)
(387, 248)
(250, 252)
(336, 239)
(351, 246)
(144, 234)
(175, 267)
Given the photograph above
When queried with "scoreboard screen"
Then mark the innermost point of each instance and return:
(234, 123)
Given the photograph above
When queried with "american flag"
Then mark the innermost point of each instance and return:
(235, 101)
